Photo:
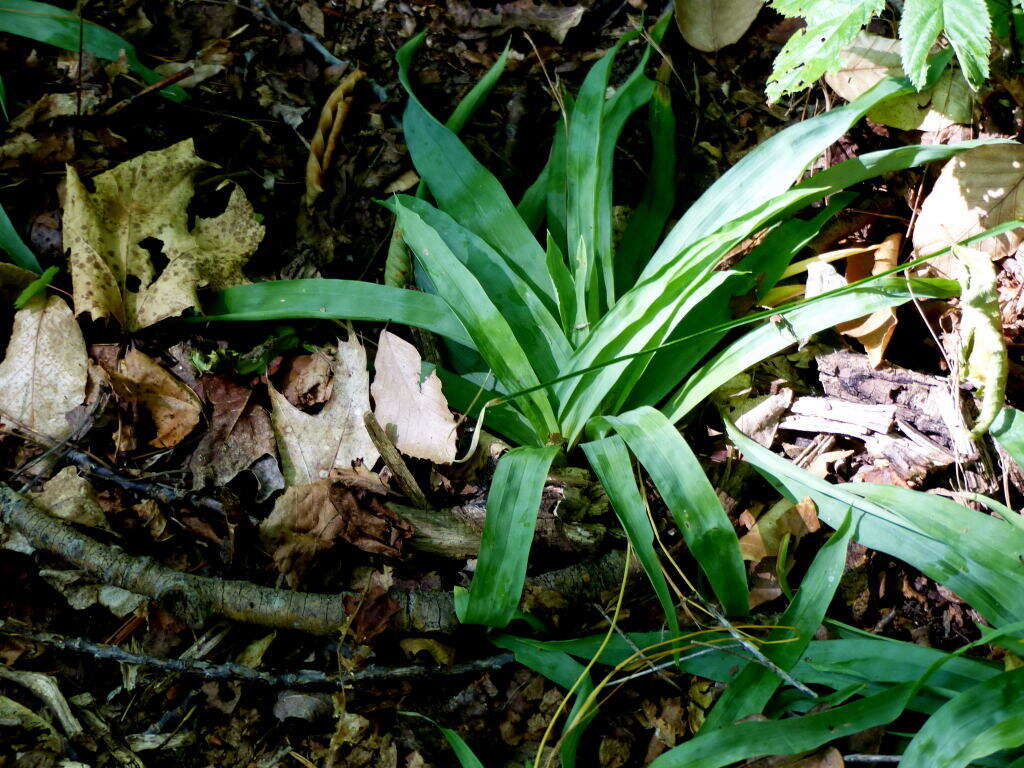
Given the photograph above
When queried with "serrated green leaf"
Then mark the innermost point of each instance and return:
(811, 52)
(967, 25)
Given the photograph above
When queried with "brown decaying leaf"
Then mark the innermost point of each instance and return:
(784, 517)
(871, 58)
(325, 140)
(710, 25)
(71, 497)
(148, 197)
(43, 376)
(419, 410)
(309, 518)
(308, 380)
(311, 445)
(876, 330)
(240, 433)
(976, 190)
(174, 407)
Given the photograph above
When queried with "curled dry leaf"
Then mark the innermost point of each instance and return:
(174, 407)
(311, 445)
(976, 190)
(309, 518)
(325, 140)
(148, 197)
(414, 404)
(44, 373)
(876, 330)
(709, 25)
(240, 434)
(870, 58)
(308, 380)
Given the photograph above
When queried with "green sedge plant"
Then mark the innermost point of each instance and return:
(567, 340)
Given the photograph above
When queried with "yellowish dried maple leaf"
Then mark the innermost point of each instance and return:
(147, 197)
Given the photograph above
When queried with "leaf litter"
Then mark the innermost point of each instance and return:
(224, 426)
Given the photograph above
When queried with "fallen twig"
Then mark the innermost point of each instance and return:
(195, 598)
(307, 679)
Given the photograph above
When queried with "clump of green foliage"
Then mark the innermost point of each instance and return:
(584, 346)
(832, 25)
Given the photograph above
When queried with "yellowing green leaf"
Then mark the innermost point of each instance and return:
(147, 197)
(44, 373)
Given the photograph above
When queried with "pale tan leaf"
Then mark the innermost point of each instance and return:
(44, 373)
(875, 330)
(174, 407)
(311, 445)
(71, 497)
(426, 428)
(765, 537)
(976, 190)
(871, 58)
(147, 197)
(709, 25)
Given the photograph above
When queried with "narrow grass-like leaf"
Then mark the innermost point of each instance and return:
(750, 690)
(537, 330)
(758, 272)
(743, 741)
(770, 169)
(468, 397)
(466, 190)
(12, 244)
(461, 749)
(981, 721)
(583, 170)
(321, 299)
(492, 336)
(49, 24)
(648, 219)
(612, 465)
(3, 100)
(810, 317)
(512, 506)
(692, 501)
(565, 287)
(947, 542)
(562, 670)
(36, 287)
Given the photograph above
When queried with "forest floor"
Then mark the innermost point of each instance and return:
(149, 459)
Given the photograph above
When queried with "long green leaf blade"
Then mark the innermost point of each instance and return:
(981, 721)
(751, 689)
(492, 336)
(466, 190)
(612, 465)
(321, 299)
(512, 506)
(55, 26)
(811, 317)
(947, 542)
(691, 500)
